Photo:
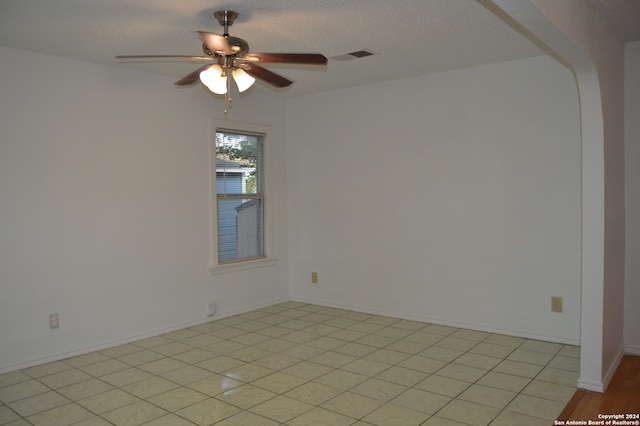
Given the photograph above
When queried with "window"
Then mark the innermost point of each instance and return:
(239, 183)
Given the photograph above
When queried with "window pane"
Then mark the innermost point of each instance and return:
(239, 196)
(237, 157)
(240, 229)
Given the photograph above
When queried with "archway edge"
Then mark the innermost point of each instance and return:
(574, 32)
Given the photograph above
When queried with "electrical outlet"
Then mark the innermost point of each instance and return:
(314, 278)
(556, 304)
(54, 321)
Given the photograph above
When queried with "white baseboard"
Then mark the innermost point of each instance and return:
(613, 368)
(608, 376)
(107, 345)
(450, 323)
(632, 350)
(591, 386)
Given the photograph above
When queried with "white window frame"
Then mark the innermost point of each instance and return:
(231, 126)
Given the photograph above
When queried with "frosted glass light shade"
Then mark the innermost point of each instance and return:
(243, 80)
(214, 80)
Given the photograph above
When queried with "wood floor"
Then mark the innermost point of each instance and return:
(622, 397)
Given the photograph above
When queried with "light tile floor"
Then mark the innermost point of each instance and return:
(298, 364)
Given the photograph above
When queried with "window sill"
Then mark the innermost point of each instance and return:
(241, 266)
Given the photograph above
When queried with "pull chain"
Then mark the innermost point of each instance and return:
(227, 98)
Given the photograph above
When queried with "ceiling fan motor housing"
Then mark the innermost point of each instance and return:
(238, 46)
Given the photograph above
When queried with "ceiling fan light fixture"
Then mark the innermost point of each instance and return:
(214, 80)
(243, 80)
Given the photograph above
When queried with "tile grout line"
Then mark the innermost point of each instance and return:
(235, 323)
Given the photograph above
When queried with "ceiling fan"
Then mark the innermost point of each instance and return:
(226, 55)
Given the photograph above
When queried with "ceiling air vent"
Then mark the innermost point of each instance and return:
(353, 55)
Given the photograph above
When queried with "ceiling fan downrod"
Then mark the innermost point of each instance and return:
(226, 18)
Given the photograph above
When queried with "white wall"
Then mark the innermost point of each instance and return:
(452, 198)
(104, 212)
(632, 198)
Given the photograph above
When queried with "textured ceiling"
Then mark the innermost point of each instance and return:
(624, 16)
(411, 37)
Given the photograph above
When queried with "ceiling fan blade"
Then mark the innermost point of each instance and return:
(162, 57)
(287, 58)
(215, 43)
(266, 75)
(192, 77)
